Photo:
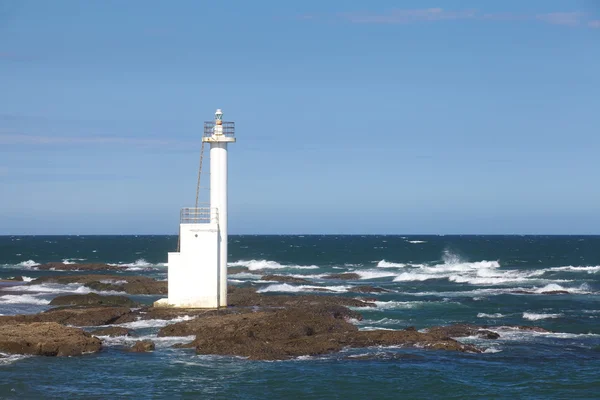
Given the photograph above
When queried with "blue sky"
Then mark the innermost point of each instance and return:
(351, 116)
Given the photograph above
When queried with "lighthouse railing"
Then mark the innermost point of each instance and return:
(228, 128)
(198, 215)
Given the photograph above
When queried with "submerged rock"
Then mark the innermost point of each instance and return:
(142, 346)
(461, 330)
(118, 283)
(77, 316)
(92, 299)
(367, 289)
(345, 275)
(46, 339)
(59, 266)
(285, 279)
(113, 331)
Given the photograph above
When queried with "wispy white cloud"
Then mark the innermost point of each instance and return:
(22, 139)
(573, 18)
(406, 16)
(594, 24)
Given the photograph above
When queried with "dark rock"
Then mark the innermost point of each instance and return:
(77, 316)
(16, 279)
(58, 266)
(46, 339)
(124, 283)
(285, 279)
(461, 330)
(247, 297)
(237, 270)
(112, 331)
(556, 292)
(92, 299)
(367, 289)
(346, 275)
(142, 346)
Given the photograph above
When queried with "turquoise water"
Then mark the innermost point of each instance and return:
(434, 280)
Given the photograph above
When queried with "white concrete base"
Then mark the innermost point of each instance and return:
(193, 272)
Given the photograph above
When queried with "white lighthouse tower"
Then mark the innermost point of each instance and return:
(197, 272)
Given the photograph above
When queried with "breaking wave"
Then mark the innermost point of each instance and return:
(254, 265)
(23, 299)
(537, 317)
(284, 287)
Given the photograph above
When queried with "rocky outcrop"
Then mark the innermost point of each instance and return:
(117, 283)
(113, 331)
(76, 316)
(284, 279)
(59, 266)
(92, 299)
(237, 270)
(347, 276)
(367, 289)
(292, 332)
(461, 330)
(142, 346)
(46, 339)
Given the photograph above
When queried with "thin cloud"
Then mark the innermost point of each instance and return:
(406, 16)
(562, 18)
(21, 139)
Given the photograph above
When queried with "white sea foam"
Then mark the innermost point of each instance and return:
(492, 350)
(245, 275)
(154, 323)
(536, 317)
(383, 321)
(496, 315)
(388, 305)
(417, 241)
(23, 299)
(113, 281)
(139, 264)
(27, 279)
(570, 268)
(387, 264)
(58, 288)
(160, 342)
(7, 359)
(373, 274)
(254, 265)
(72, 260)
(284, 287)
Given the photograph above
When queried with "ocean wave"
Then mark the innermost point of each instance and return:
(284, 287)
(387, 264)
(373, 274)
(159, 341)
(73, 260)
(536, 317)
(570, 268)
(6, 359)
(389, 305)
(74, 288)
(23, 299)
(417, 241)
(139, 264)
(153, 323)
(496, 315)
(254, 265)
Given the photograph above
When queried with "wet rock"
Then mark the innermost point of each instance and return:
(119, 283)
(59, 266)
(46, 339)
(384, 356)
(237, 270)
(346, 275)
(92, 299)
(462, 330)
(142, 346)
(556, 292)
(113, 331)
(77, 316)
(16, 279)
(247, 297)
(367, 289)
(285, 279)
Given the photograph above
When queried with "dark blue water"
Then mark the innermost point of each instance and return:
(434, 280)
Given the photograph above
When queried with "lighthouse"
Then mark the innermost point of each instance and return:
(197, 272)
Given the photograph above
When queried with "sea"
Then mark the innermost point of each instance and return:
(551, 282)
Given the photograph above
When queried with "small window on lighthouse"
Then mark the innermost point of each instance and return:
(219, 115)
